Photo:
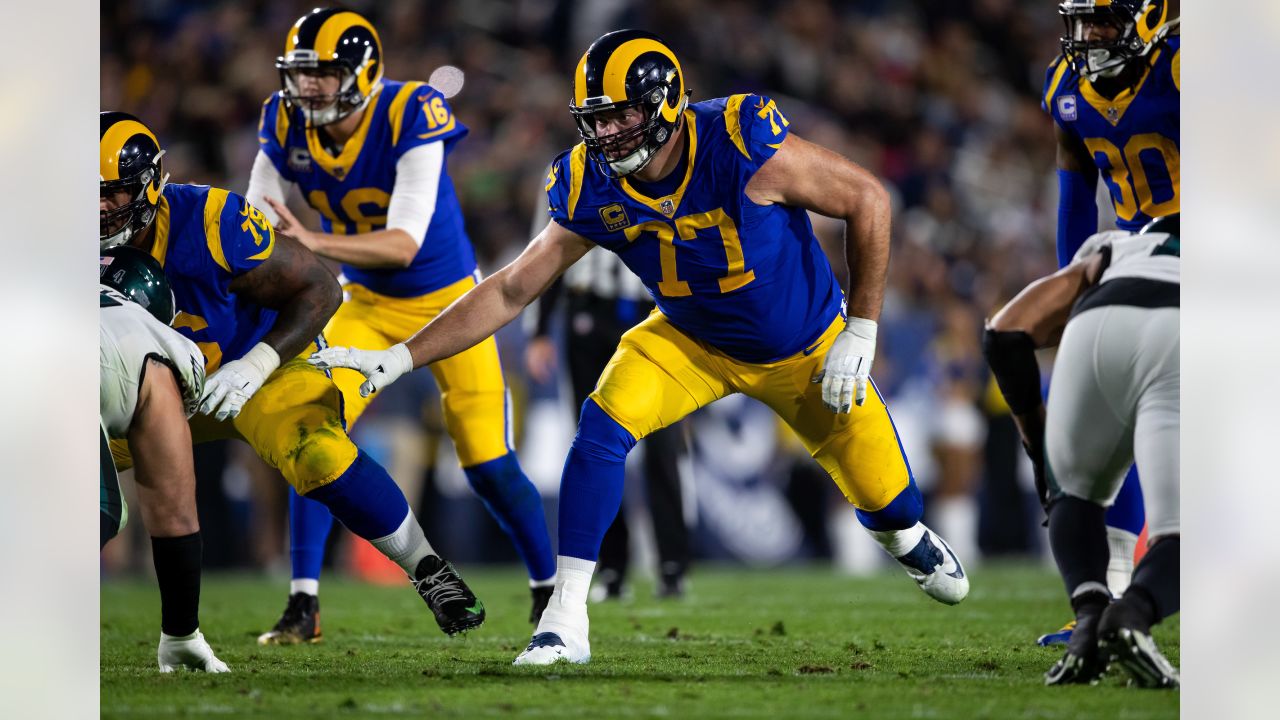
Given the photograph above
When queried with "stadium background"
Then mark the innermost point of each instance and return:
(939, 99)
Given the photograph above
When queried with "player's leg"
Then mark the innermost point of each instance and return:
(1088, 447)
(862, 454)
(294, 423)
(477, 415)
(657, 376)
(309, 520)
(1125, 628)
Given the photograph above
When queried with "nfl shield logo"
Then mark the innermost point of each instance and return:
(668, 207)
(1067, 107)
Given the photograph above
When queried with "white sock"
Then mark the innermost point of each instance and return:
(899, 542)
(406, 546)
(310, 586)
(573, 580)
(1120, 569)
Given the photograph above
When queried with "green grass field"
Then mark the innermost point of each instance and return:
(763, 644)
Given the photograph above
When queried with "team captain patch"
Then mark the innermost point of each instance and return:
(1067, 107)
(614, 217)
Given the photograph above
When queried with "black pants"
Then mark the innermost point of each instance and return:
(594, 327)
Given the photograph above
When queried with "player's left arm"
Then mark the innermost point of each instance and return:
(806, 175)
(1034, 319)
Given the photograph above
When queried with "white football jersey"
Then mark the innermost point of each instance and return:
(127, 336)
(1152, 256)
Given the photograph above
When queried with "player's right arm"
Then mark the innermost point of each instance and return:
(477, 315)
(1077, 194)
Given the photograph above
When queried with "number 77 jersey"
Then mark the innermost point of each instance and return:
(749, 280)
(1132, 138)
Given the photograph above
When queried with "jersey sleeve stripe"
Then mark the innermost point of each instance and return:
(396, 112)
(437, 133)
(1053, 84)
(282, 123)
(1177, 79)
(213, 204)
(577, 168)
(733, 124)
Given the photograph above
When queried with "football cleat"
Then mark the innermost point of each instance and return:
(1124, 638)
(1061, 637)
(454, 605)
(936, 569)
(547, 649)
(192, 652)
(300, 622)
(540, 597)
(1082, 663)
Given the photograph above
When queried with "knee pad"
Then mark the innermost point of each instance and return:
(312, 450)
(600, 436)
(902, 512)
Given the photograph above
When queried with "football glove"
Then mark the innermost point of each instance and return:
(847, 366)
(227, 390)
(380, 367)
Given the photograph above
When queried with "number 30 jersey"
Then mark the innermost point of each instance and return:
(750, 280)
(352, 190)
(1133, 138)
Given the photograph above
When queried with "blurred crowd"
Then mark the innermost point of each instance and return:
(939, 99)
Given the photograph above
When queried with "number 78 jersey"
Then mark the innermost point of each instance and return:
(749, 280)
(1133, 138)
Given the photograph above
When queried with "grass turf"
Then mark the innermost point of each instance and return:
(802, 642)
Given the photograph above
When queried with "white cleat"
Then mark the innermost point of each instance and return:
(562, 636)
(936, 569)
(192, 652)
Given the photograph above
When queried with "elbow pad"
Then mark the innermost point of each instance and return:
(1012, 357)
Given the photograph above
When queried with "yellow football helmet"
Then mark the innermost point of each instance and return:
(333, 40)
(129, 160)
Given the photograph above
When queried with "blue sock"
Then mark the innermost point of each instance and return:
(1128, 512)
(591, 489)
(309, 525)
(515, 503)
(902, 513)
(365, 499)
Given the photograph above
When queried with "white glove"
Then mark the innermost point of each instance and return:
(380, 367)
(227, 390)
(192, 651)
(847, 366)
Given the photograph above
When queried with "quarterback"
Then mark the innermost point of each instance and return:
(368, 155)
(707, 204)
(250, 298)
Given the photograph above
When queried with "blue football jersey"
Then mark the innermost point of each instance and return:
(353, 190)
(750, 280)
(204, 238)
(1133, 138)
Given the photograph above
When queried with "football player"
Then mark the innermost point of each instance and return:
(250, 298)
(1113, 312)
(369, 155)
(151, 382)
(707, 204)
(1114, 96)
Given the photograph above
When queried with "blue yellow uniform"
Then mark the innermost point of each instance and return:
(352, 191)
(1133, 138)
(747, 301)
(203, 238)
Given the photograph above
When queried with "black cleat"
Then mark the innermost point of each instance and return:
(541, 596)
(300, 623)
(1083, 663)
(1124, 637)
(454, 605)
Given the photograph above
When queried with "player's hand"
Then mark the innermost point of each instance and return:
(192, 652)
(227, 390)
(380, 367)
(540, 358)
(847, 367)
(289, 225)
